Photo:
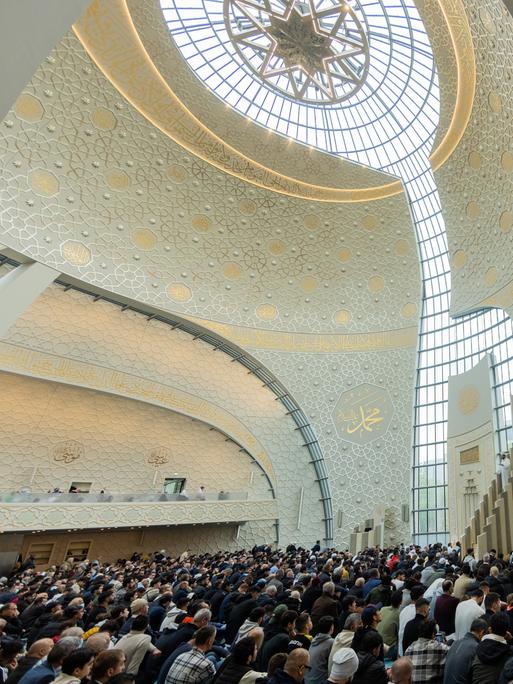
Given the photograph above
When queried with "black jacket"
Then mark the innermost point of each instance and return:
(360, 633)
(370, 670)
(310, 597)
(281, 677)
(230, 672)
(24, 665)
(167, 643)
(13, 627)
(490, 658)
(278, 644)
(507, 672)
(215, 602)
(239, 613)
(411, 631)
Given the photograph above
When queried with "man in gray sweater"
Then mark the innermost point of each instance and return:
(320, 651)
(461, 654)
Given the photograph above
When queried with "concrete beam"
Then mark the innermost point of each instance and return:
(20, 288)
(29, 30)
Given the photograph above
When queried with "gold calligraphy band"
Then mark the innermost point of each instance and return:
(108, 34)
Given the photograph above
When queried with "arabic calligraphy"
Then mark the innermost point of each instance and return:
(364, 413)
(67, 452)
(159, 456)
(362, 421)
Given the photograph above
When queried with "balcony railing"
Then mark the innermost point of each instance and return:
(40, 511)
(29, 497)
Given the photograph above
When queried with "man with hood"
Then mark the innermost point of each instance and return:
(492, 652)
(178, 608)
(240, 612)
(273, 627)
(344, 639)
(345, 664)
(320, 649)
(255, 619)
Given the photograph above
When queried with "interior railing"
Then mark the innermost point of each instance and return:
(27, 497)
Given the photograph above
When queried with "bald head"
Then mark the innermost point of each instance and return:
(40, 648)
(401, 671)
(296, 664)
(98, 642)
(72, 632)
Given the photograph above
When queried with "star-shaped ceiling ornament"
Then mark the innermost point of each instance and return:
(314, 51)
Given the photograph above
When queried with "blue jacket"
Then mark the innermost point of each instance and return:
(40, 674)
(369, 585)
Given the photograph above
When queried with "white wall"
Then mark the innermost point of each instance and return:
(66, 336)
(113, 439)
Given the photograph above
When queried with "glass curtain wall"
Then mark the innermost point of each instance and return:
(447, 346)
(389, 125)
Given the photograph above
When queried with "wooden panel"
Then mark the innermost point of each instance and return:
(469, 455)
(42, 552)
(78, 550)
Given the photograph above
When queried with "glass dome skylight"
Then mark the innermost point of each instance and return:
(334, 74)
(313, 52)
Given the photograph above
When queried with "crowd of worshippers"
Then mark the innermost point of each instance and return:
(435, 615)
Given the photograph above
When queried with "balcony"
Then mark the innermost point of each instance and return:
(29, 497)
(39, 511)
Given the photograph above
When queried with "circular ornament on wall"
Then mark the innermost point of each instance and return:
(468, 400)
(506, 221)
(43, 182)
(67, 452)
(507, 161)
(266, 312)
(459, 259)
(363, 414)
(76, 253)
(473, 210)
(29, 108)
(342, 317)
(159, 456)
(474, 160)
(179, 292)
(103, 119)
(490, 277)
(144, 238)
(409, 310)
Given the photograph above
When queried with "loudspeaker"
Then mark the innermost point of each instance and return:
(405, 513)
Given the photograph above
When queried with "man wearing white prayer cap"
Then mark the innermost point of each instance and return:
(345, 664)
